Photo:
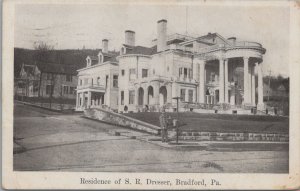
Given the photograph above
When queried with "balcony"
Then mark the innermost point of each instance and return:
(98, 87)
(237, 44)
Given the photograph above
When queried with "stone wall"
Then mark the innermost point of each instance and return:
(217, 136)
(118, 119)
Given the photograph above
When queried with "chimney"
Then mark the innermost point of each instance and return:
(105, 45)
(161, 35)
(130, 38)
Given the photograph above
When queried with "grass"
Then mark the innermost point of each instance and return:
(221, 122)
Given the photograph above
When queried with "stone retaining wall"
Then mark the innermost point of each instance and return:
(217, 136)
(118, 119)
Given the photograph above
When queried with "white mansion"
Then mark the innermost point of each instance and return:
(205, 71)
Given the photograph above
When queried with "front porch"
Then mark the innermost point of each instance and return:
(90, 96)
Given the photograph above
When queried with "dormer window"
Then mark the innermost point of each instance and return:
(100, 57)
(123, 50)
(88, 61)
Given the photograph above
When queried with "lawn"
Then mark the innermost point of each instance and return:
(221, 122)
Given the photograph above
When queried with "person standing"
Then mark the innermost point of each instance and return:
(164, 126)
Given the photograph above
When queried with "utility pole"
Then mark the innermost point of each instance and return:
(177, 124)
(269, 85)
(186, 20)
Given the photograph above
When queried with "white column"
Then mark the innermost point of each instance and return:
(169, 93)
(89, 99)
(146, 96)
(174, 92)
(194, 95)
(156, 93)
(232, 96)
(226, 80)
(246, 79)
(136, 96)
(77, 100)
(195, 71)
(186, 95)
(82, 99)
(253, 85)
(201, 90)
(260, 101)
(221, 81)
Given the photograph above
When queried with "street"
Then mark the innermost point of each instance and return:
(63, 142)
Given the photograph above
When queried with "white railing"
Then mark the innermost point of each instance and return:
(179, 36)
(95, 86)
(238, 44)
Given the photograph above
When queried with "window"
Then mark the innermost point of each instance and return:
(122, 97)
(48, 76)
(85, 81)
(132, 74)
(131, 97)
(69, 78)
(100, 58)
(123, 72)
(65, 89)
(182, 94)
(153, 71)
(185, 72)
(180, 72)
(106, 81)
(115, 81)
(212, 77)
(49, 89)
(35, 86)
(190, 96)
(80, 82)
(123, 51)
(190, 73)
(72, 90)
(144, 73)
(98, 81)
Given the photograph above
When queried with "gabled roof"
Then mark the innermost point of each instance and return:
(29, 69)
(140, 50)
(56, 68)
(210, 36)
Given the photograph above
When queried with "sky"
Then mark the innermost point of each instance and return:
(77, 26)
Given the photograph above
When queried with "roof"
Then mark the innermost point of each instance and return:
(29, 69)
(140, 50)
(210, 36)
(56, 68)
(110, 56)
(75, 57)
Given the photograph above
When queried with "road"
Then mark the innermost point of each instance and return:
(64, 142)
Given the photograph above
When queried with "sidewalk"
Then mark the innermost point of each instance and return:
(54, 107)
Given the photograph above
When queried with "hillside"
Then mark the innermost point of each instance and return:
(70, 57)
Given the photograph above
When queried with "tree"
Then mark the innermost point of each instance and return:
(42, 51)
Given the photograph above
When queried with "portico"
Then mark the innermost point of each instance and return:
(231, 80)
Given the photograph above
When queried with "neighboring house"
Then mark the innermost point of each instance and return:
(98, 81)
(48, 80)
(202, 70)
(26, 83)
